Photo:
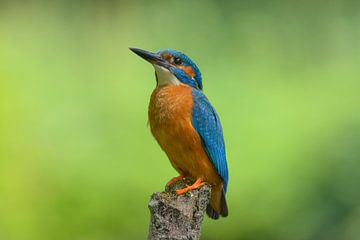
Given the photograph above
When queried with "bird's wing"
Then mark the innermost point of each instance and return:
(207, 124)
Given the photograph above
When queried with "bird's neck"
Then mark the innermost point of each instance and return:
(165, 77)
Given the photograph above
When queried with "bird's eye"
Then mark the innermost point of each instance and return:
(177, 61)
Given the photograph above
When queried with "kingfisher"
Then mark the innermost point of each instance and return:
(187, 127)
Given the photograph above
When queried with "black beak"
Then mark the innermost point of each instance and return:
(152, 58)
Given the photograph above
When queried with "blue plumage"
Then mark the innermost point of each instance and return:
(207, 124)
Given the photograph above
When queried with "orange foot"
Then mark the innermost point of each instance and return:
(197, 184)
(175, 179)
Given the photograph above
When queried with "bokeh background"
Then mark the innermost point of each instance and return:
(77, 160)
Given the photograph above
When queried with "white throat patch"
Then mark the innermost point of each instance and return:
(164, 76)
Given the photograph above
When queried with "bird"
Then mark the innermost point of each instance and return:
(187, 127)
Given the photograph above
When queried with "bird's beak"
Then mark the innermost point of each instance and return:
(152, 58)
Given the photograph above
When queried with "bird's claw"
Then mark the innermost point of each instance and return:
(174, 179)
(198, 183)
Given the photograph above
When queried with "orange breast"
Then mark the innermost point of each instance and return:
(170, 122)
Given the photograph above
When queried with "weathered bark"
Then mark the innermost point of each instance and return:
(178, 217)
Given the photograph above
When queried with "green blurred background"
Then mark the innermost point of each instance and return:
(77, 160)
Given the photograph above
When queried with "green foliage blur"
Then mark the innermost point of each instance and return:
(77, 160)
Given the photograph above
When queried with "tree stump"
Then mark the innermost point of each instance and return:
(178, 217)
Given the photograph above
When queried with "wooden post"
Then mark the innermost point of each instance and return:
(178, 217)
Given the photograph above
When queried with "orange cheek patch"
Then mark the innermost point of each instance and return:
(188, 70)
(166, 56)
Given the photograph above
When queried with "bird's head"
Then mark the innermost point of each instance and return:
(172, 67)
